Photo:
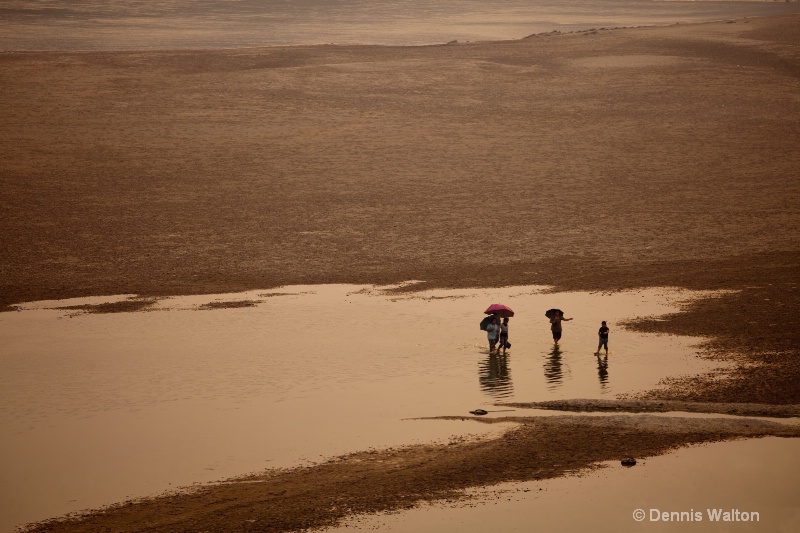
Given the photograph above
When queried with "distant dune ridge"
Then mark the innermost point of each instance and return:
(103, 25)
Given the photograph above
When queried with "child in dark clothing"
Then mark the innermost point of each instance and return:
(504, 335)
(603, 333)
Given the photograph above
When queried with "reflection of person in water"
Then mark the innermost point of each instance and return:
(495, 377)
(552, 367)
(602, 369)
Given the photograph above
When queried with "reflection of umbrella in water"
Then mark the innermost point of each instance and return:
(550, 313)
(503, 311)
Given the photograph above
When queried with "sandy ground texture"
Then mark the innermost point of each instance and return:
(637, 153)
(599, 160)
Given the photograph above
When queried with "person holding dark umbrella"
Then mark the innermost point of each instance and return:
(493, 332)
(556, 316)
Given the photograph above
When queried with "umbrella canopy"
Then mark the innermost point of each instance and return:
(550, 313)
(503, 311)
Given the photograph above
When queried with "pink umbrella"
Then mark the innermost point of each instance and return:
(500, 310)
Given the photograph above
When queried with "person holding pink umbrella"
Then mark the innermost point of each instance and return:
(495, 312)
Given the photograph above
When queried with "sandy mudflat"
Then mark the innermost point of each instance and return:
(598, 160)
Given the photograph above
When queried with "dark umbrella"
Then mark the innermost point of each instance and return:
(503, 311)
(550, 313)
(485, 322)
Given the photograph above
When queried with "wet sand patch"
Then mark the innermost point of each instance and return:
(131, 305)
(233, 304)
(663, 406)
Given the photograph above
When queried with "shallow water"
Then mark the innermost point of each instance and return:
(120, 25)
(97, 408)
(751, 476)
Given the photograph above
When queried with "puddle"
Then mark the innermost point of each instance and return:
(97, 408)
(753, 480)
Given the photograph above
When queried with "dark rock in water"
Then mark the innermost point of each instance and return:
(628, 461)
(479, 412)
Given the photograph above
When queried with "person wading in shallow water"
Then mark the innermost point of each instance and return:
(493, 332)
(503, 336)
(603, 342)
(555, 326)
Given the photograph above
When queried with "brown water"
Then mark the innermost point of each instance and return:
(97, 408)
(751, 476)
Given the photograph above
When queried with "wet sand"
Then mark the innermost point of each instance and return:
(600, 160)
(663, 406)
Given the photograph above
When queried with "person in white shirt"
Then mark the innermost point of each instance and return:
(493, 332)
